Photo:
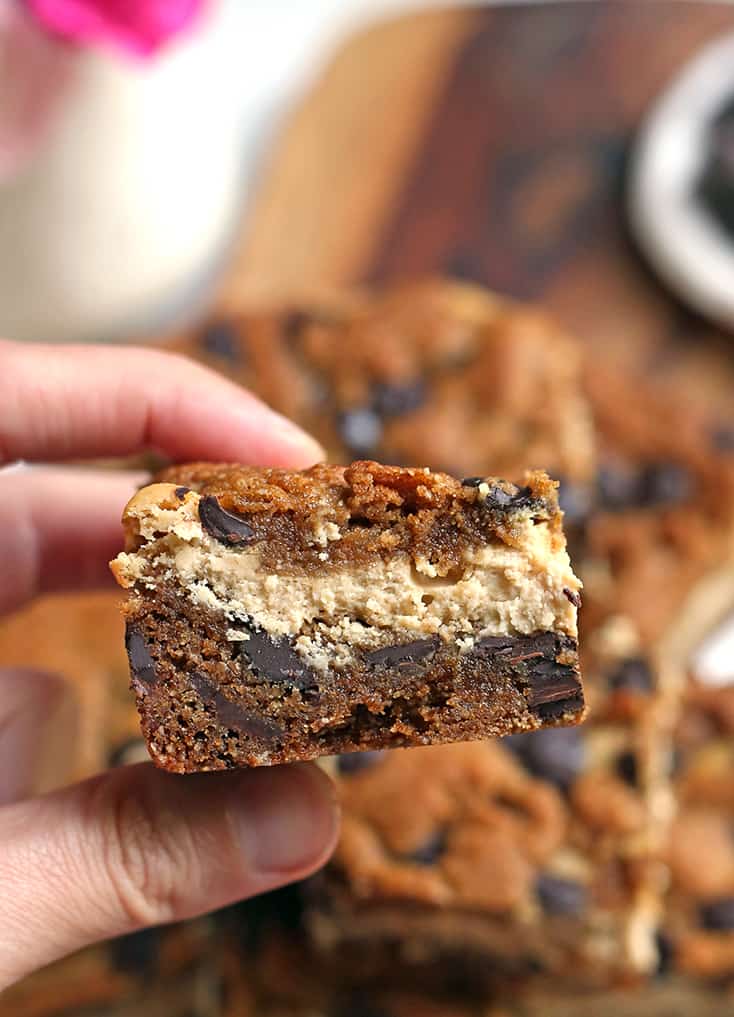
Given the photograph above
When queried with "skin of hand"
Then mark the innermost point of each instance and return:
(135, 846)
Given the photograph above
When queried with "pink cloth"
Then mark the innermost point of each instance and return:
(140, 27)
(35, 75)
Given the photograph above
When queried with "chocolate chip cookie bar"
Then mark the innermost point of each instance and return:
(278, 615)
(434, 373)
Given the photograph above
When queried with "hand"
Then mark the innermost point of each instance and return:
(135, 846)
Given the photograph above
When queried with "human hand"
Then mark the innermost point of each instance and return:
(135, 846)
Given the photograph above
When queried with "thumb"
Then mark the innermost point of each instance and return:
(138, 847)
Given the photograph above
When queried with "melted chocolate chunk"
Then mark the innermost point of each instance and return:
(220, 338)
(181, 492)
(552, 683)
(575, 501)
(226, 527)
(500, 499)
(556, 754)
(230, 715)
(664, 484)
(142, 667)
(634, 674)
(718, 915)
(626, 767)
(274, 659)
(560, 896)
(403, 654)
(472, 481)
(617, 488)
(356, 762)
(360, 430)
(572, 596)
(722, 438)
(556, 709)
(395, 399)
(431, 850)
(666, 953)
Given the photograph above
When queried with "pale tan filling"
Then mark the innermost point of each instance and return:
(501, 590)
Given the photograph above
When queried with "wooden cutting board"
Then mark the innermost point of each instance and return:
(490, 144)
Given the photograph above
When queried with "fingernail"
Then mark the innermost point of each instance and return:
(288, 819)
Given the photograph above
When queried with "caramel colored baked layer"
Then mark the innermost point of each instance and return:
(276, 615)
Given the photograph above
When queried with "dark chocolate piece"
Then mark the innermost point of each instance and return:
(572, 596)
(556, 754)
(393, 399)
(431, 850)
(181, 492)
(575, 501)
(634, 674)
(499, 498)
(224, 526)
(274, 659)
(354, 762)
(718, 915)
(230, 714)
(560, 896)
(142, 667)
(552, 683)
(626, 766)
(360, 430)
(404, 653)
(664, 484)
(472, 481)
(220, 338)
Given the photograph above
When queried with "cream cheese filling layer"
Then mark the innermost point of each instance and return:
(500, 590)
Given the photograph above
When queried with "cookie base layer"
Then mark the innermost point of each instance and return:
(209, 703)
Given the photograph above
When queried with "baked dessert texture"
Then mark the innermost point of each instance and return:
(699, 928)
(277, 615)
(434, 373)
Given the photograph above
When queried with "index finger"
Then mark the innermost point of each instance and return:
(63, 402)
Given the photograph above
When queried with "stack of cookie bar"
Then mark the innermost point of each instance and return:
(507, 878)
(546, 856)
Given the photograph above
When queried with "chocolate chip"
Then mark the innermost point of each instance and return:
(360, 431)
(516, 498)
(294, 323)
(664, 484)
(626, 767)
(718, 915)
(560, 896)
(722, 438)
(552, 683)
(354, 762)
(402, 654)
(142, 667)
(181, 492)
(572, 596)
(617, 488)
(137, 953)
(221, 339)
(430, 851)
(666, 953)
(555, 754)
(393, 399)
(274, 659)
(632, 674)
(230, 715)
(226, 527)
(472, 481)
(575, 501)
